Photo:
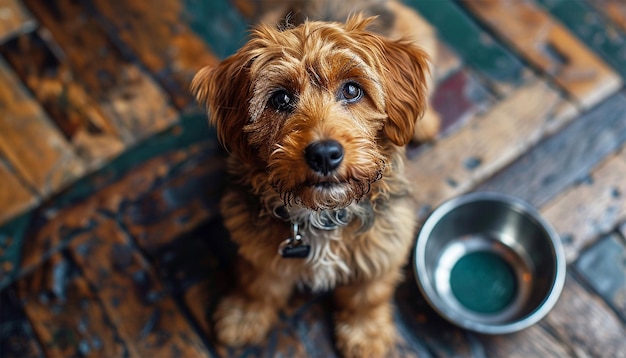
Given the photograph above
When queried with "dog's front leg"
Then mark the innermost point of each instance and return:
(247, 314)
(364, 319)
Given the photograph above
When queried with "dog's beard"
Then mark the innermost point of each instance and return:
(326, 194)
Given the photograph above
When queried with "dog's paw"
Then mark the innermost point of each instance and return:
(370, 339)
(239, 321)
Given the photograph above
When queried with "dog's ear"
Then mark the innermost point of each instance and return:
(225, 90)
(406, 72)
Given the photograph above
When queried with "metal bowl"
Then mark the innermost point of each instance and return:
(489, 263)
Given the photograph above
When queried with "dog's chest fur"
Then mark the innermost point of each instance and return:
(328, 233)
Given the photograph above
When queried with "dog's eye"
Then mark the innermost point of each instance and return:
(351, 92)
(281, 101)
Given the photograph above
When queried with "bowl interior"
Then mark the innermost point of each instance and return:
(487, 264)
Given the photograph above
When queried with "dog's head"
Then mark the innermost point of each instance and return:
(318, 106)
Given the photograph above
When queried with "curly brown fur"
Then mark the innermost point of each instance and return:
(344, 84)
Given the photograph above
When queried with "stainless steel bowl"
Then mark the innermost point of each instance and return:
(489, 263)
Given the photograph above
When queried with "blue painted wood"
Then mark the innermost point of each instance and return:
(593, 28)
(566, 157)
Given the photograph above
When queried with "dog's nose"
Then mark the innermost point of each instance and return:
(324, 156)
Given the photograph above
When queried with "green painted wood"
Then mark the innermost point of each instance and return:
(192, 128)
(218, 23)
(11, 241)
(475, 46)
(593, 28)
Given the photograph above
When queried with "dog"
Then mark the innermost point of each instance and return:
(315, 116)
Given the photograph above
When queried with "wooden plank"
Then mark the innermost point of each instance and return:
(568, 156)
(458, 98)
(137, 303)
(530, 342)
(476, 47)
(95, 137)
(15, 197)
(486, 144)
(548, 45)
(441, 338)
(447, 62)
(585, 324)
(603, 268)
(171, 40)
(17, 338)
(14, 20)
(66, 315)
(124, 92)
(60, 222)
(591, 208)
(32, 145)
(614, 10)
(606, 39)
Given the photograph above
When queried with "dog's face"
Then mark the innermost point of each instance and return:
(317, 106)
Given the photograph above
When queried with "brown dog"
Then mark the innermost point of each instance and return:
(315, 118)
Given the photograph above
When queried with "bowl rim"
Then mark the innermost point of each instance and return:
(425, 284)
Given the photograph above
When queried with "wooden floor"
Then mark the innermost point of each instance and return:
(110, 244)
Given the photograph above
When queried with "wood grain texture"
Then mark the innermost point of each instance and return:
(66, 315)
(14, 19)
(124, 92)
(591, 208)
(59, 223)
(15, 197)
(593, 28)
(568, 156)
(30, 142)
(549, 46)
(157, 34)
(531, 342)
(476, 47)
(603, 268)
(486, 144)
(77, 114)
(132, 295)
(585, 324)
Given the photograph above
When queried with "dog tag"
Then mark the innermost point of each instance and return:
(294, 247)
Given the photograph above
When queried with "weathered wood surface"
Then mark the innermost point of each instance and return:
(133, 196)
(476, 47)
(124, 92)
(14, 19)
(155, 33)
(599, 33)
(95, 137)
(66, 314)
(487, 143)
(15, 197)
(550, 47)
(585, 324)
(136, 301)
(594, 206)
(603, 268)
(32, 145)
(565, 158)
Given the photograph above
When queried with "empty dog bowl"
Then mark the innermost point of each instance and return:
(489, 263)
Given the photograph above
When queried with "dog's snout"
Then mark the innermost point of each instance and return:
(324, 156)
